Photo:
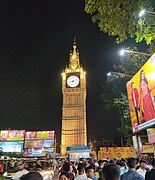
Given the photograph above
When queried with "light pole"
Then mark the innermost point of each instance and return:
(143, 11)
(117, 74)
(123, 51)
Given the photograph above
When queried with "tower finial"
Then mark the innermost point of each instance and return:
(74, 45)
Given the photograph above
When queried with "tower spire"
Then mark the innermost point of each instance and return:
(74, 56)
(74, 45)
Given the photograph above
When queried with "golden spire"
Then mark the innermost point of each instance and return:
(74, 56)
(74, 45)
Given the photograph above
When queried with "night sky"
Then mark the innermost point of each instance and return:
(36, 37)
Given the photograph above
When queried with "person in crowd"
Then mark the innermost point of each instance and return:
(67, 168)
(64, 176)
(142, 168)
(90, 173)
(146, 98)
(111, 172)
(131, 174)
(150, 175)
(99, 168)
(32, 176)
(121, 166)
(81, 172)
(21, 170)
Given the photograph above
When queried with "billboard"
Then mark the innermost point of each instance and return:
(36, 144)
(141, 96)
(12, 135)
(40, 135)
(116, 152)
(11, 146)
(149, 148)
(42, 152)
(151, 135)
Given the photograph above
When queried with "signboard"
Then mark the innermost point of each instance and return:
(141, 96)
(12, 135)
(77, 152)
(78, 148)
(115, 152)
(148, 148)
(11, 146)
(151, 135)
(42, 152)
(40, 135)
(36, 144)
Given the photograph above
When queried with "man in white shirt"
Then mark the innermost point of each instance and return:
(21, 171)
(142, 168)
(81, 174)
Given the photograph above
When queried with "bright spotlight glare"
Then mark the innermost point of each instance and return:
(109, 74)
(142, 12)
(122, 51)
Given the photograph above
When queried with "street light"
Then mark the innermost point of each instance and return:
(117, 74)
(123, 51)
(150, 13)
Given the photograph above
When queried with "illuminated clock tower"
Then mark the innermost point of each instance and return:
(74, 131)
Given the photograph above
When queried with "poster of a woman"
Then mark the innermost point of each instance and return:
(146, 99)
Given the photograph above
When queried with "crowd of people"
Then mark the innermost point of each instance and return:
(130, 169)
(88, 169)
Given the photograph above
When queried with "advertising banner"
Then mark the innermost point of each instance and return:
(116, 152)
(151, 135)
(11, 146)
(31, 152)
(40, 135)
(141, 96)
(36, 144)
(148, 148)
(12, 135)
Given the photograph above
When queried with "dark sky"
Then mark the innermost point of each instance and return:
(35, 40)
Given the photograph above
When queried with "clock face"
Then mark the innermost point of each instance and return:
(73, 81)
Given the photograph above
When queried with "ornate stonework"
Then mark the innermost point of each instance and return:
(74, 131)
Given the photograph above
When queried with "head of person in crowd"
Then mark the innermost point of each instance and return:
(32, 176)
(90, 173)
(64, 176)
(91, 164)
(143, 164)
(120, 163)
(153, 163)
(131, 163)
(112, 161)
(111, 172)
(19, 166)
(101, 163)
(81, 168)
(66, 167)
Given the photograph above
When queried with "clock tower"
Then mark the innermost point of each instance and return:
(74, 131)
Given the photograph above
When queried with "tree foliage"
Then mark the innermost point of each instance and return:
(120, 18)
(114, 90)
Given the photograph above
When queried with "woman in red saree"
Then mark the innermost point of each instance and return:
(146, 98)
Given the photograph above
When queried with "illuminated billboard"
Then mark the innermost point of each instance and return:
(11, 146)
(141, 96)
(42, 152)
(151, 135)
(36, 144)
(40, 135)
(12, 135)
(116, 152)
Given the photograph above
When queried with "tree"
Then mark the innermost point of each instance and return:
(114, 90)
(120, 18)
